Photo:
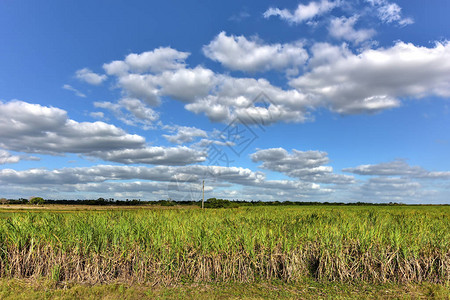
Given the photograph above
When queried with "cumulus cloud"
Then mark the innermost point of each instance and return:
(343, 28)
(390, 189)
(158, 60)
(131, 111)
(117, 67)
(303, 12)
(239, 53)
(221, 98)
(397, 181)
(90, 77)
(141, 87)
(33, 128)
(285, 190)
(102, 173)
(97, 115)
(162, 180)
(184, 134)
(72, 89)
(81, 175)
(334, 78)
(149, 75)
(237, 99)
(389, 12)
(397, 168)
(203, 143)
(170, 156)
(7, 158)
(154, 74)
(139, 110)
(375, 79)
(186, 84)
(182, 84)
(305, 165)
(138, 189)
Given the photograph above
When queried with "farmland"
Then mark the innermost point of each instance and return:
(407, 244)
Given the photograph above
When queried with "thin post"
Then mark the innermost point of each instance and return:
(203, 198)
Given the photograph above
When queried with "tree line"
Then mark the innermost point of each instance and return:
(209, 203)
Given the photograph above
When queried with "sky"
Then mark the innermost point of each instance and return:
(323, 100)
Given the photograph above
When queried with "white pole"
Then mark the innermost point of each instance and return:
(203, 199)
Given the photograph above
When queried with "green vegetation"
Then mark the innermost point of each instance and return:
(37, 200)
(25, 289)
(388, 244)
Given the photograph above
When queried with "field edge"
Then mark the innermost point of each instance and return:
(307, 289)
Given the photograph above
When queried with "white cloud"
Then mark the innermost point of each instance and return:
(169, 156)
(139, 110)
(335, 78)
(136, 112)
(186, 84)
(160, 182)
(389, 12)
(97, 115)
(141, 87)
(156, 61)
(175, 182)
(184, 134)
(397, 168)
(33, 128)
(181, 84)
(239, 53)
(117, 67)
(236, 99)
(159, 60)
(203, 143)
(374, 79)
(221, 97)
(303, 12)
(139, 189)
(90, 77)
(305, 165)
(99, 173)
(343, 28)
(231, 182)
(7, 158)
(390, 189)
(71, 88)
(397, 181)
(102, 173)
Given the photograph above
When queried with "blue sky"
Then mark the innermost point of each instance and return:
(288, 100)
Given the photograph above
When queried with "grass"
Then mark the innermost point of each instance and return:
(376, 245)
(26, 289)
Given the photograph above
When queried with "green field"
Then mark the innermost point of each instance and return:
(248, 245)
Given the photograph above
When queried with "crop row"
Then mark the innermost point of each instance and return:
(258, 243)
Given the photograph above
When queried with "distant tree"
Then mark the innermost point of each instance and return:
(4, 201)
(220, 203)
(99, 201)
(23, 200)
(37, 200)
